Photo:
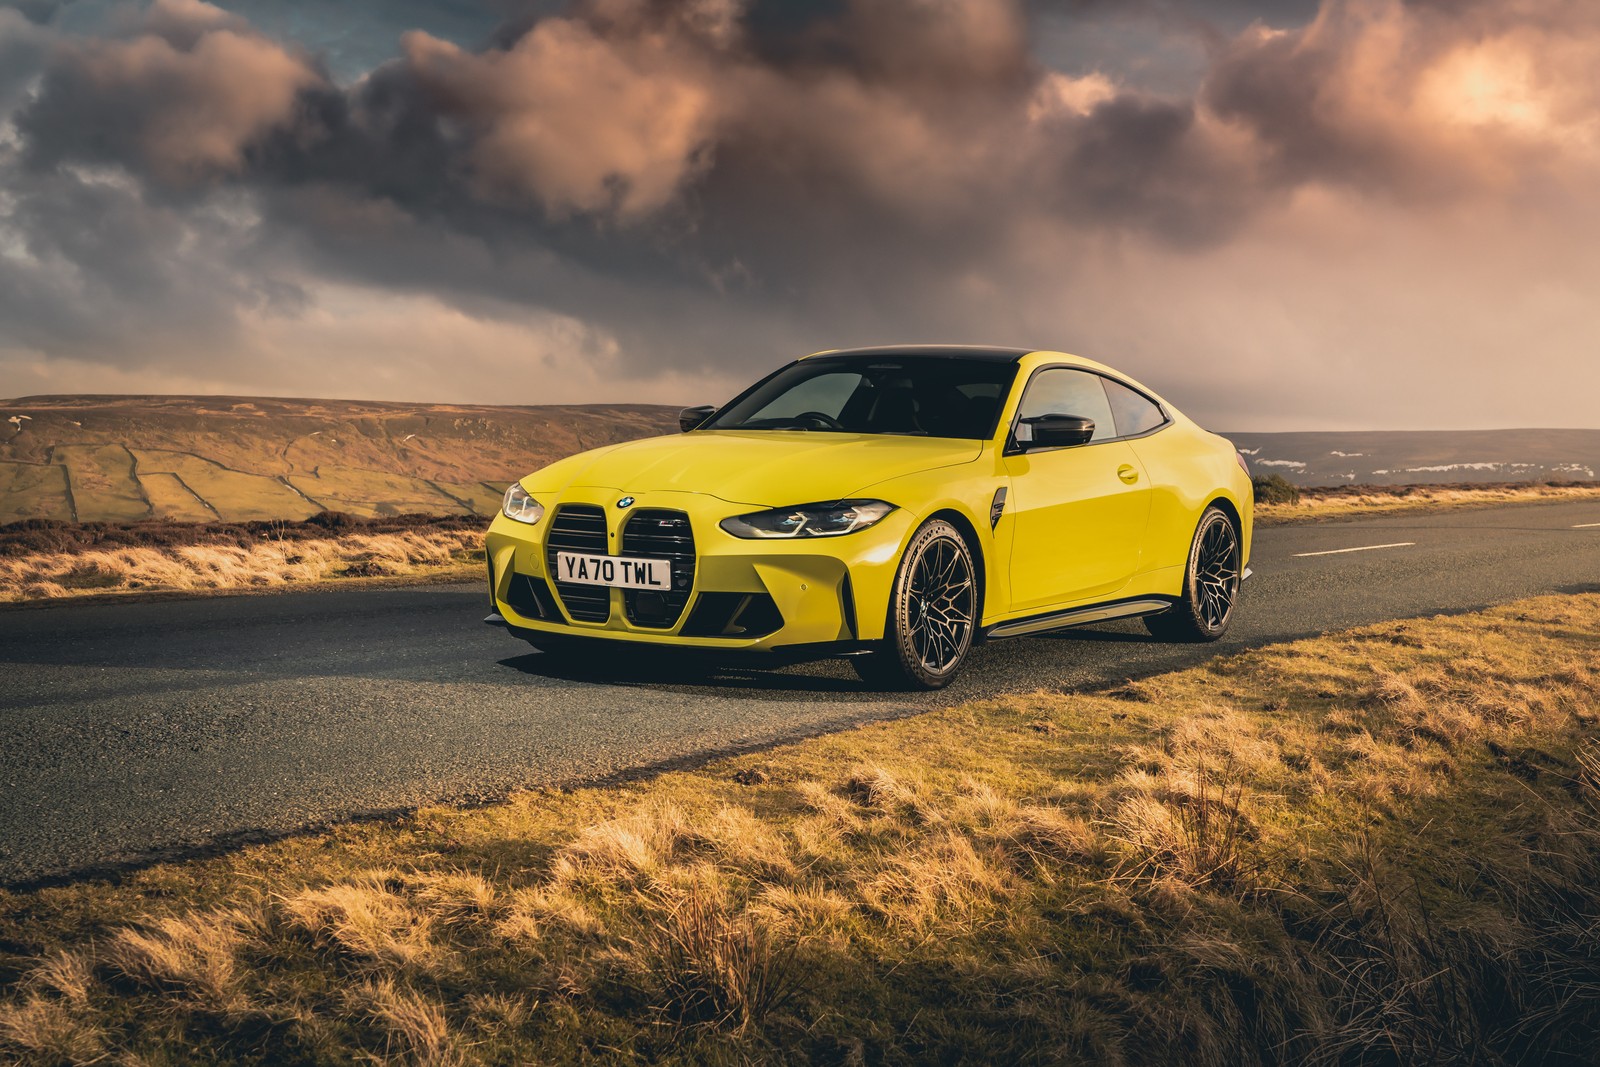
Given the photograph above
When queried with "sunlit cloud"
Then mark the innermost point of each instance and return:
(1337, 210)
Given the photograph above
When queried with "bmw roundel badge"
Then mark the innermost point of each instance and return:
(625, 502)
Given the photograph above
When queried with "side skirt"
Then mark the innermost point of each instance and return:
(1061, 620)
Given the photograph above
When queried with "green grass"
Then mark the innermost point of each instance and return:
(103, 483)
(1380, 846)
(370, 493)
(35, 491)
(235, 495)
(171, 498)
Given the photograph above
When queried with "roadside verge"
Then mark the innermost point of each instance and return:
(1377, 844)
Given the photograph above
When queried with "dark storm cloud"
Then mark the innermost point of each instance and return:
(620, 109)
(713, 182)
(634, 163)
(38, 11)
(23, 48)
(181, 98)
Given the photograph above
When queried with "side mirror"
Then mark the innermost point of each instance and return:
(1054, 431)
(691, 418)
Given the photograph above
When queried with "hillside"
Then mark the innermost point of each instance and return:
(1419, 457)
(195, 458)
(203, 459)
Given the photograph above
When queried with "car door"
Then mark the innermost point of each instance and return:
(1079, 513)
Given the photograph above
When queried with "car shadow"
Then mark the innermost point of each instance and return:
(1112, 636)
(691, 675)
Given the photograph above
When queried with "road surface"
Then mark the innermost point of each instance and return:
(130, 731)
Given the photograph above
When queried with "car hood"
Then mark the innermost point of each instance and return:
(766, 468)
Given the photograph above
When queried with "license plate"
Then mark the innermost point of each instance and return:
(618, 572)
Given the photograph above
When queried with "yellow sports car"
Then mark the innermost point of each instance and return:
(893, 505)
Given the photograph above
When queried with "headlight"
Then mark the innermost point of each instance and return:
(827, 519)
(520, 506)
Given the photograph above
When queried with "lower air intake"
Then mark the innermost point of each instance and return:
(736, 615)
(530, 597)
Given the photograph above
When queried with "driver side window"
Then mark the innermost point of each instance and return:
(1064, 391)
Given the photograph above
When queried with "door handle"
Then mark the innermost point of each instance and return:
(1128, 473)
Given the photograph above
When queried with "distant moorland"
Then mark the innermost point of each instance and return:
(1422, 457)
(238, 459)
(204, 459)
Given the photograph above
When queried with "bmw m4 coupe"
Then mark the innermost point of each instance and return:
(894, 505)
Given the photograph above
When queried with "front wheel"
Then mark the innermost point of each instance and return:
(1210, 584)
(933, 610)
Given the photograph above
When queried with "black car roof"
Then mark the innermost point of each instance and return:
(989, 352)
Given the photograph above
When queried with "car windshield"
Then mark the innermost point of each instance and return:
(929, 396)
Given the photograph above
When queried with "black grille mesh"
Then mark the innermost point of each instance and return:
(656, 533)
(579, 528)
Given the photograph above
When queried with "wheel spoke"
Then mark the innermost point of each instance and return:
(1216, 573)
(942, 602)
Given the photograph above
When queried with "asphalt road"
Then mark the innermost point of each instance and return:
(130, 731)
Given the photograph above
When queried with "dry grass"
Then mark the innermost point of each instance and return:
(712, 964)
(194, 957)
(1354, 500)
(416, 1025)
(1375, 847)
(371, 921)
(264, 564)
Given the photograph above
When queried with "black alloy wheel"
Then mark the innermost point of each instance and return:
(1210, 584)
(933, 613)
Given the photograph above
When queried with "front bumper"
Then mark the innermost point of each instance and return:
(740, 596)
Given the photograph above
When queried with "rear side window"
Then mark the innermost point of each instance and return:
(1135, 413)
(1063, 391)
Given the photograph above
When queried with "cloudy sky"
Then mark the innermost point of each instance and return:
(1283, 215)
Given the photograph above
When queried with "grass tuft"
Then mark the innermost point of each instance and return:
(194, 956)
(371, 922)
(711, 965)
(44, 1030)
(414, 1024)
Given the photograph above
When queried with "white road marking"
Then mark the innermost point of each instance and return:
(1586, 525)
(1363, 548)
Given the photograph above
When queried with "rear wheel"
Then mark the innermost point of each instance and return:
(1210, 584)
(933, 611)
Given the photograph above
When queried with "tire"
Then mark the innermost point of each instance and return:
(933, 614)
(1210, 585)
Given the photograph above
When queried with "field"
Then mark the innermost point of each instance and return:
(1379, 846)
(1349, 501)
(44, 560)
(236, 459)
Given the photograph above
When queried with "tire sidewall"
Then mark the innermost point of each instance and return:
(1191, 595)
(898, 631)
